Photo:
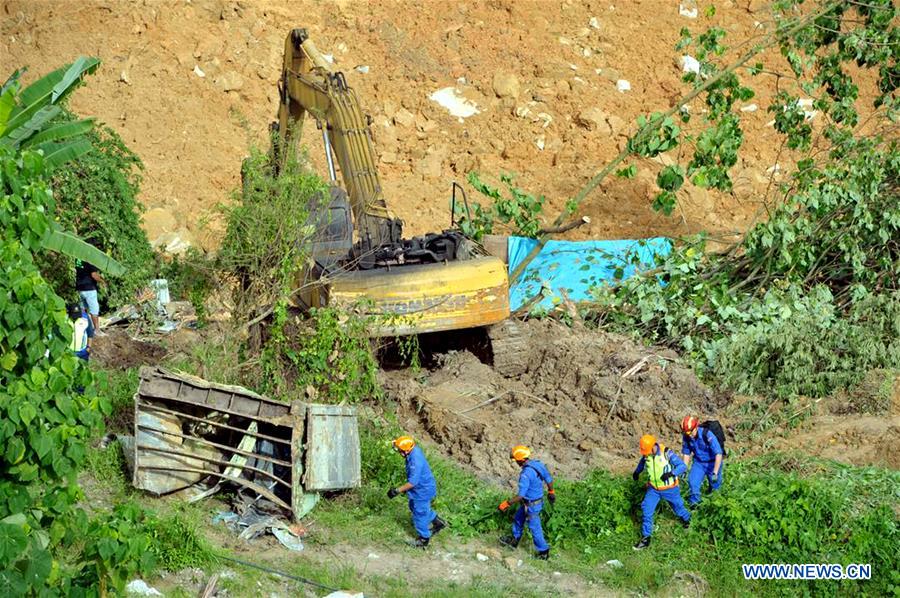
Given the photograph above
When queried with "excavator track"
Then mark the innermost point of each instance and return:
(509, 347)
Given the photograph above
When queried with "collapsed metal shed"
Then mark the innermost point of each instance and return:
(187, 429)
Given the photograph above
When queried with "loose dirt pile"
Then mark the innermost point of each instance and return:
(117, 350)
(188, 83)
(583, 401)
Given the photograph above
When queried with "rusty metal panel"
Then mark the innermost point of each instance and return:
(332, 448)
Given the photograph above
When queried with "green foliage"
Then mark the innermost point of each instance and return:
(328, 352)
(269, 231)
(176, 543)
(96, 197)
(116, 548)
(45, 422)
(806, 303)
(192, 277)
(518, 211)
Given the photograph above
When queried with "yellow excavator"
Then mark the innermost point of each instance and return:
(436, 282)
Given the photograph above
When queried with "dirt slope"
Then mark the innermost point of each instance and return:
(566, 57)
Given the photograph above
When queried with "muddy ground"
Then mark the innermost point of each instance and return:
(583, 401)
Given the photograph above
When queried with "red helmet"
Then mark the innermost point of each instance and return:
(689, 424)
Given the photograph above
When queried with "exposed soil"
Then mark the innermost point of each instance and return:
(566, 57)
(860, 427)
(572, 405)
(117, 350)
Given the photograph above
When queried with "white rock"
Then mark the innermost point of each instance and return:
(329, 58)
(688, 10)
(454, 103)
(615, 563)
(481, 557)
(138, 587)
(622, 85)
(594, 22)
(342, 48)
(123, 77)
(689, 64)
(343, 594)
(749, 108)
(539, 142)
(557, 574)
(372, 556)
(364, 69)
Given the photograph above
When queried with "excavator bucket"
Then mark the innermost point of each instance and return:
(427, 298)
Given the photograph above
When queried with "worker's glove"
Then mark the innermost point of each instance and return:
(551, 496)
(635, 475)
(503, 506)
(666, 476)
(393, 492)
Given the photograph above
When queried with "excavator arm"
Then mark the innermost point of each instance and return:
(309, 84)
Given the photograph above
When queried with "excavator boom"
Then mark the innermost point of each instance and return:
(436, 282)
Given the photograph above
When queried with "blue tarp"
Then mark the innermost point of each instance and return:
(573, 267)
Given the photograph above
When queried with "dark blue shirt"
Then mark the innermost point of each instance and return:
(704, 447)
(418, 473)
(532, 479)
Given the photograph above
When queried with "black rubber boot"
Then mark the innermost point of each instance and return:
(510, 541)
(422, 542)
(437, 525)
(685, 523)
(543, 555)
(642, 543)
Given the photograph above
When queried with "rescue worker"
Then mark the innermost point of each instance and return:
(420, 488)
(530, 498)
(82, 332)
(701, 446)
(663, 468)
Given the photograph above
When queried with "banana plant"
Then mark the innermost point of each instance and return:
(27, 123)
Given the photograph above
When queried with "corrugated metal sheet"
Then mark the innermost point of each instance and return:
(332, 448)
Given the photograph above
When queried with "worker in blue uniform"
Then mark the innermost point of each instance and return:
(663, 468)
(700, 444)
(420, 488)
(530, 498)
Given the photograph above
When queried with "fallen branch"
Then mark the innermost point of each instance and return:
(555, 230)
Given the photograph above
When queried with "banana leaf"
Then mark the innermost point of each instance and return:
(13, 136)
(12, 82)
(7, 103)
(61, 152)
(49, 89)
(59, 132)
(68, 244)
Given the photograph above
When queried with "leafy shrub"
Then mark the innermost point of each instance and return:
(44, 422)
(327, 351)
(518, 211)
(96, 197)
(588, 510)
(176, 543)
(808, 348)
(269, 232)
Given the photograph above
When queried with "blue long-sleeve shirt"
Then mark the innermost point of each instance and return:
(678, 466)
(704, 447)
(532, 478)
(418, 473)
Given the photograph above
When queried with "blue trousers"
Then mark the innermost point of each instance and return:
(652, 498)
(532, 514)
(700, 470)
(422, 516)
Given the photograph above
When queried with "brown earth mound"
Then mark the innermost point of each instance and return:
(117, 350)
(583, 401)
(188, 83)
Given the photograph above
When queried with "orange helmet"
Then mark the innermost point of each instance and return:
(647, 443)
(520, 452)
(404, 444)
(689, 424)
